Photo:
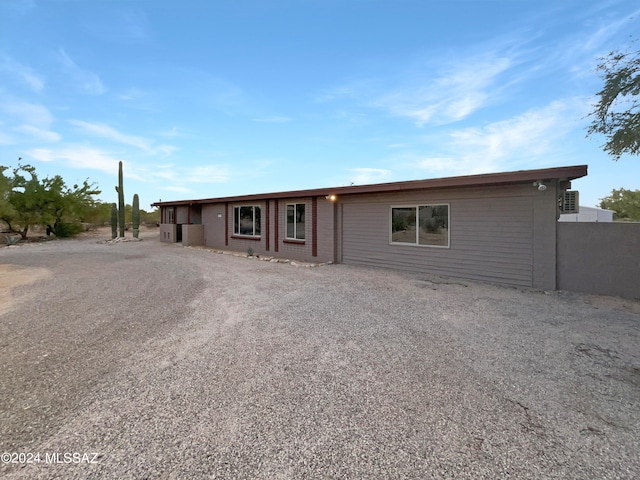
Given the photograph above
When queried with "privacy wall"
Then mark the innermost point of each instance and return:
(599, 258)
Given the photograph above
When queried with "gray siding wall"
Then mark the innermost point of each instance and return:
(493, 234)
(599, 258)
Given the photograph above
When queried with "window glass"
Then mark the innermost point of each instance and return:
(246, 221)
(403, 225)
(291, 221)
(420, 225)
(434, 225)
(295, 221)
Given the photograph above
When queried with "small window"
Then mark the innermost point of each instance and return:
(295, 221)
(246, 221)
(426, 225)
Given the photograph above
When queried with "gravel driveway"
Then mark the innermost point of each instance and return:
(149, 360)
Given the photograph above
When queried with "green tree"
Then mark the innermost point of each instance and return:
(63, 207)
(150, 218)
(6, 208)
(98, 214)
(48, 202)
(626, 203)
(616, 115)
(26, 198)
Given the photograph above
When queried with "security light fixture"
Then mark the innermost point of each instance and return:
(331, 198)
(541, 186)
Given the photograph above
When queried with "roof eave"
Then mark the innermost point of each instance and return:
(488, 179)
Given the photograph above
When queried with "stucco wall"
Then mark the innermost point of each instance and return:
(213, 221)
(168, 232)
(599, 258)
(192, 235)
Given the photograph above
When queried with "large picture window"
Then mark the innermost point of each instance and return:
(246, 221)
(295, 221)
(420, 225)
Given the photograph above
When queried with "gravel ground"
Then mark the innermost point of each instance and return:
(171, 362)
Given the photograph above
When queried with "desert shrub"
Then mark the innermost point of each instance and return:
(66, 229)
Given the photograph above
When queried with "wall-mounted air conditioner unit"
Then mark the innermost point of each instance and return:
(569, 203)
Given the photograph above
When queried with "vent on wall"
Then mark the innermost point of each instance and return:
(570, 202)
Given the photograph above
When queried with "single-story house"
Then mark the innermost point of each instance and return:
(498, 227)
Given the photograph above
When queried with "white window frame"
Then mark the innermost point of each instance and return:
(417, 206)
(295, 223)
(236, 211)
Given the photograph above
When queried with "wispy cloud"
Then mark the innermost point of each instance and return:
(88, 82)
(179, 176)
(24, 73)
(607, 28)
(78, 156)
(27, 113)
(368, 175)
(27, 122)
(39, 133)
(524, 139)
(456, 93)
(109, 133)
(437, 91)
(207, 174)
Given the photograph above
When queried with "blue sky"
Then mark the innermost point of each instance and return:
(206, 98)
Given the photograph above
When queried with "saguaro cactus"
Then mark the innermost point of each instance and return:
(135, 215)
(120, 191)
(114, 220)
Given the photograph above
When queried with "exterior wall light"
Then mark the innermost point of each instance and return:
(331, 198)
(541, 186)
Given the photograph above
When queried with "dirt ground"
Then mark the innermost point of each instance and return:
(150, 360)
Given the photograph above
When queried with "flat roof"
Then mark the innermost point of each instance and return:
(487, 179)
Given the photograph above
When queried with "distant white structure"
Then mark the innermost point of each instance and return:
(588, 214)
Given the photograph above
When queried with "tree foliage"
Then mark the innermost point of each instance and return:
(27, 200)
(616, 115)
(626, 203)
